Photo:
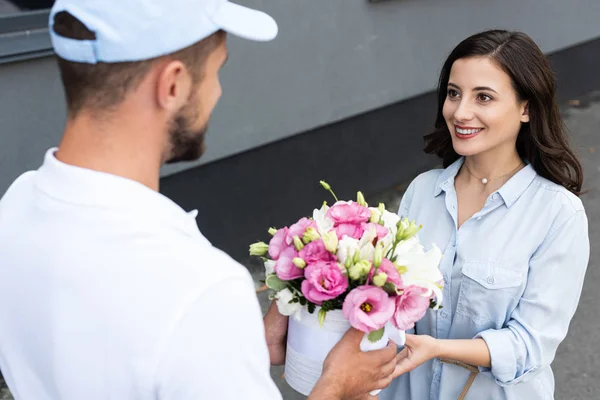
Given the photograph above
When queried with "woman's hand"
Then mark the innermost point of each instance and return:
(422, 348)
(418, 349)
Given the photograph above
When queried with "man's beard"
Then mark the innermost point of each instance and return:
(187, 143)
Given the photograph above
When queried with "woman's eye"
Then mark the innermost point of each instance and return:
(484, 97)
(452, 93)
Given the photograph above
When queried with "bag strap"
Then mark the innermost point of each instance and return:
(474, 371)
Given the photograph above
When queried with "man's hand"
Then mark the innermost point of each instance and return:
(349, 373)
(419, 349)
(276, 334)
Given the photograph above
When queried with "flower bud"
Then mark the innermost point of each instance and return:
(298, 243)
(331, 242)
(378, 256)
(272, 231)
(356, 257)
(310, 235)
(359, 270)
(348, 263)
(298, 262)
(380, 279)
(325, 185)
(401, 269)
(259, 249)
(375, 215)
(409, 230)
(360, 199)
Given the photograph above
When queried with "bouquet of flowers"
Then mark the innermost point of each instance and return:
(363, 262)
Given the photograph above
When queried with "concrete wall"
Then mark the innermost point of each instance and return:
(333, 59)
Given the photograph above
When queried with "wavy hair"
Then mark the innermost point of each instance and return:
(543, 141)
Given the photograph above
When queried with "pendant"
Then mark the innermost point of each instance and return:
(484, 181)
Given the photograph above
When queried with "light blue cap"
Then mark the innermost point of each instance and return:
(135, 30)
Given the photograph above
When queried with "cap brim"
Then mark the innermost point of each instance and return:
(245, 22)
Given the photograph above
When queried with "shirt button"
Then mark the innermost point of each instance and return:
(490, 280)
(495, 196)
(444, 314)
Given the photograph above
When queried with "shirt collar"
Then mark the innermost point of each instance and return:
(87, 187)
(510, 191)
(514, 188)
(446, 179)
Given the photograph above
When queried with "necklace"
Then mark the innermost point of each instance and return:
(486, 180)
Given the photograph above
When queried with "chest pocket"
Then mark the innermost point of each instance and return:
(489, 291)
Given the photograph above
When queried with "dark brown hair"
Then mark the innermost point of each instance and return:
(102, 86)
(543, 141)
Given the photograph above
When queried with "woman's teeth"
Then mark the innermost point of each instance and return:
(468, 131)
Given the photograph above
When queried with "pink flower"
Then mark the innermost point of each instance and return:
(315, 251)
(348, 213)
(324, 281)
(285, 268)
(410, 307)
(368, 308)
(276, 245)
(380, 230)
(299, 228)
(390, 270)
(354, 231)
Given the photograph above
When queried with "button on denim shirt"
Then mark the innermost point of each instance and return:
(513, 276)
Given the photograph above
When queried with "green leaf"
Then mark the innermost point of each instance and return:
(311, 308)
(273, 282)
(375, 335)
(322, 314)
(390, 288)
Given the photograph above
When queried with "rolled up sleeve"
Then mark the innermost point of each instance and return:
(541, 320)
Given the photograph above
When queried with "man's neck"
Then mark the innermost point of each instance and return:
(125, 148)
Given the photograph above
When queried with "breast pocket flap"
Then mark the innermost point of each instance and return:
(492, 275)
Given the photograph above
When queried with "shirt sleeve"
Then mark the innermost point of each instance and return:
(218, 350)
(541, 320)
(406, 200)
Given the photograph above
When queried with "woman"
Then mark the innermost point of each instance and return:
(506, 213)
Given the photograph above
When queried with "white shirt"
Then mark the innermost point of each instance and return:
(109, 291)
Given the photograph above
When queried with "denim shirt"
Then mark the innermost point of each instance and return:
(513, 276)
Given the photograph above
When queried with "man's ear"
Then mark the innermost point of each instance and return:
(173, 86)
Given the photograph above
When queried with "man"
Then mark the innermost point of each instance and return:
(108, 289)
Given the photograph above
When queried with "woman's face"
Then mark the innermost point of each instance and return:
(481, 109)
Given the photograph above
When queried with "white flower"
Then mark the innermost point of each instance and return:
(324, 224)
(368, 237)
(407, 248)
(346, 248)
(269, 267)
(390, 220)
(285, 307)
(367, 252)
(421, 268)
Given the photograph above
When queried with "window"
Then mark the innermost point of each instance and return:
(24, 29)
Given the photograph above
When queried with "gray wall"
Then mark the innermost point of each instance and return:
(332, 59)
